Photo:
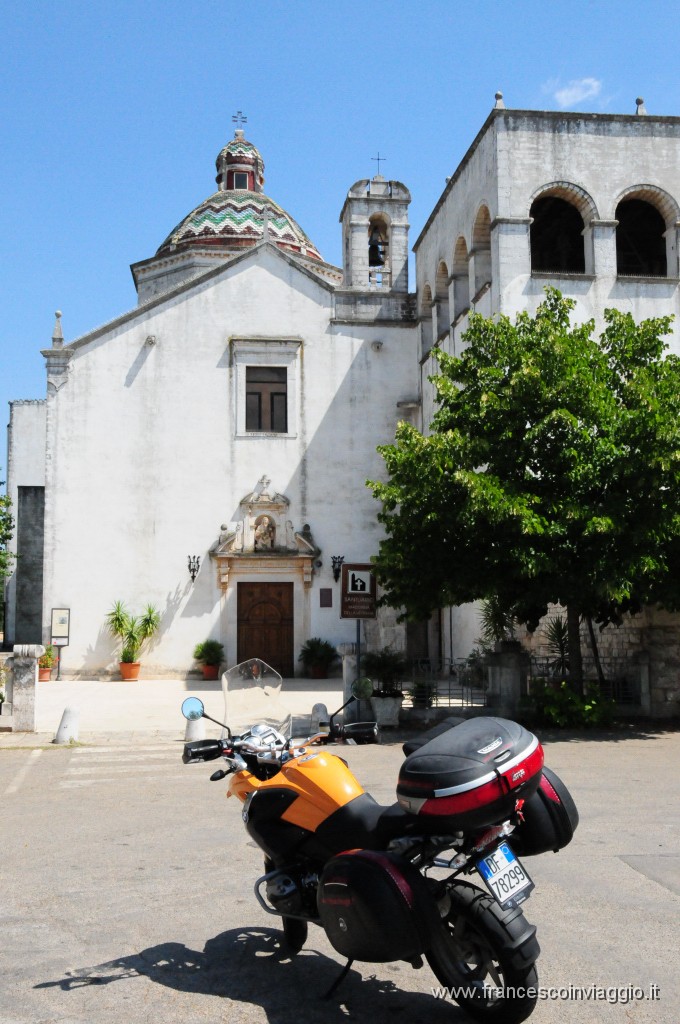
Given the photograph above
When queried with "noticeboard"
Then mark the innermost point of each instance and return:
(61, 624)
(358, 591)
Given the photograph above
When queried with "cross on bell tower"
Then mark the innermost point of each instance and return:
(239, 119)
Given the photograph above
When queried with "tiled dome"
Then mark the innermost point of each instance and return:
(236, 219)
(239, 214)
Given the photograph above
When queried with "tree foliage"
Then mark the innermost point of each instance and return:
(552, 473)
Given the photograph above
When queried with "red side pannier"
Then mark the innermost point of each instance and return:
(550, 818)
(376, 907)
(471, 776)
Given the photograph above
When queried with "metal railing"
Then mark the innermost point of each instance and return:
(444, 683)
(622, 677)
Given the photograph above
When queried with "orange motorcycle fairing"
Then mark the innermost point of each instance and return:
(320, 781)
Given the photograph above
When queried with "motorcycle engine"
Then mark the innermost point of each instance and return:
(287, 894)
(284, 894)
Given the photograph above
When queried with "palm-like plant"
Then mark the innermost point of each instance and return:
(557, 642)
(132, 630)
(497, 624)
(386, 667)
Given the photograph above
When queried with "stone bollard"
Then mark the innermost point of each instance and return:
(195, 730)
(320, 718)
(24, 679)
(68, 727)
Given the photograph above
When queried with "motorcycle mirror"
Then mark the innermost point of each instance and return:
(193, 708)
(362, 688)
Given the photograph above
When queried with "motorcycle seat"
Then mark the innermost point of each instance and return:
(365, 824)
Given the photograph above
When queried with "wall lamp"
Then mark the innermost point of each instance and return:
(336, 561)
(194, 566)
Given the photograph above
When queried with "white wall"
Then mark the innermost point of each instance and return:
(148, 463)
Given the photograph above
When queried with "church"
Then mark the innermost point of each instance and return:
(207, 451)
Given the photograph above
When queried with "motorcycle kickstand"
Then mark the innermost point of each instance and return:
(338, 981)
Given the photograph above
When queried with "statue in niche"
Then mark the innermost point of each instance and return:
(265, 534)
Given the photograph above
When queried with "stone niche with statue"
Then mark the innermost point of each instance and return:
(263, 538)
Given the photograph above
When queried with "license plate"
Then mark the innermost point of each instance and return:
(505, 877)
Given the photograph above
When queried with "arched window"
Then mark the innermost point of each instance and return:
(461, 279)
(556, 236)
(378, 250)
(481, 247)
(442, 300)
(640, 242)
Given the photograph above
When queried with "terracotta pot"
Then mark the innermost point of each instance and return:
(44, 674)
(318, 672)
(129, 669)
(211, 671)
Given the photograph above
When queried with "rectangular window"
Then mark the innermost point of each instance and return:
(267, 399)
(240, 179)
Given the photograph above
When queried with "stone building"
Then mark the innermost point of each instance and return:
(589, 203)
(254, 381)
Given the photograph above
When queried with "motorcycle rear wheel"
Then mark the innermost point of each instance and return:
(482, 948)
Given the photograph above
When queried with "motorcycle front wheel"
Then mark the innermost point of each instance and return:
(485, 957)
(294, 929)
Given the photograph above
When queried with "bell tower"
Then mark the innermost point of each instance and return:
(375, 235)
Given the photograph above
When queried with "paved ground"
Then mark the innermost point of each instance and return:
(126, 882)
(146, 708)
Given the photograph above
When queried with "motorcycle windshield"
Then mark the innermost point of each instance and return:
(252, 694)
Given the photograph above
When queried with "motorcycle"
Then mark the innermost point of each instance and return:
(393, 883)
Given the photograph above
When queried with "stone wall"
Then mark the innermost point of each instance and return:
(645, 643)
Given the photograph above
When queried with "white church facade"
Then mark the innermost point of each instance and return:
(234, 414)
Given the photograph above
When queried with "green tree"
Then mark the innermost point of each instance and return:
(552, 474)
(6, 533)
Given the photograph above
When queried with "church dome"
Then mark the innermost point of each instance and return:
(239, 214)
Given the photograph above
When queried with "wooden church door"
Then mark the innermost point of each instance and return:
(265, 624)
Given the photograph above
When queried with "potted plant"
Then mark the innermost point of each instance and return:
(317, 656)
(385, 668)
(422, 694)
(46, 663)
(210, 654)
(132, 630)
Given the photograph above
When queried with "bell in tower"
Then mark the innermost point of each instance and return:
(376, 248)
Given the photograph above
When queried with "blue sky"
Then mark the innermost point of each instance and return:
(113, 114)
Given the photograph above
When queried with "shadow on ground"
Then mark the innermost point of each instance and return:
(618, 733)
(251, 966)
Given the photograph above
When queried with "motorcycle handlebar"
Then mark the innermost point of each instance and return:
(202, 750)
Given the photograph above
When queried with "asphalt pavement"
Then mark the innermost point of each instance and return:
(126, 884)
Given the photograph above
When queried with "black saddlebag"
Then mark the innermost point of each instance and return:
(471, 776)
(376, 907)
(550, 818)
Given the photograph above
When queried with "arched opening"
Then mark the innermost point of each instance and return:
(461, 279)
(426, 321)
(378, 250)
(556, 236)
(481, 248)
(640, 242)
(442, 300)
